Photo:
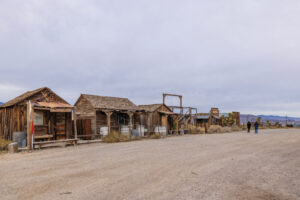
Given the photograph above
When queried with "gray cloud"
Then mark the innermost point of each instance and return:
(237, 55)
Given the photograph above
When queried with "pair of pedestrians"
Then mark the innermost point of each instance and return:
(255, 127)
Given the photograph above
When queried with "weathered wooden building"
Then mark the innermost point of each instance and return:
(158, 115)
(214, 117)
(202, 120)
(51, 115)
(98, 115)
(237, 117)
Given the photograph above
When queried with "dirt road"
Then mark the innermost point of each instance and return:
(220, 166)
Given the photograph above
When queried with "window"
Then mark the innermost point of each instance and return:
(38, 118)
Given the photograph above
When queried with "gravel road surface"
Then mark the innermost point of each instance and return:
(210, 167)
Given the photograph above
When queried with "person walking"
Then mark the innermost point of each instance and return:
(256, 127)
(249, 126)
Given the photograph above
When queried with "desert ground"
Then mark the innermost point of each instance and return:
(217, 166)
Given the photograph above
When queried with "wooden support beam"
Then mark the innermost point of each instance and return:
(177, 127)
(29, 125)
(75, 124)
(149, 122)
(130, 114)
(108, 114)
(95, 125)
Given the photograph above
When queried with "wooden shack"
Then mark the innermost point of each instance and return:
(202, 120)
(96, 116)
(158, 115)
(214, 117)
(237, 117)
(51, 115)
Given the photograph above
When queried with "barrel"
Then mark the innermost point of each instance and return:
(135, 132)
(125, 130)
(162, 130)
(104, 130)
(20, 138)
(141, 130)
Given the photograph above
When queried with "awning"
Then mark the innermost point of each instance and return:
(166, 112)
(54, 106)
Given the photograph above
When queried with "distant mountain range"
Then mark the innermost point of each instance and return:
(272, 118)
(1, 103)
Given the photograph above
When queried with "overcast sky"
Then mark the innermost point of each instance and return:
(239, 55)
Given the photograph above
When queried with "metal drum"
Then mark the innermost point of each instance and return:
(125, 130)
(104, 130)
(20, 138)
(162, 130)
(141, 130)
(135, 132)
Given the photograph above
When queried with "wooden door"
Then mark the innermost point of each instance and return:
(60, 126)
(88, 129)
(164, 120)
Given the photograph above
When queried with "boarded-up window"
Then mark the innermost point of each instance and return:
(38, 118)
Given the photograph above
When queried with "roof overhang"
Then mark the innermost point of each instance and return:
(53, 106)
(166, 112)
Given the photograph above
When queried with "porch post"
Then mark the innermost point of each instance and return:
(177, 126)
(149, 122)
(130, 123)
(75, 125)
(108, 114)
(30, 115)
(167, 125)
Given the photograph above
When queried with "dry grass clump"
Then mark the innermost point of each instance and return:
(236, 128)
(195, 130)
(155, 136)
(4, 144)
(115, 136)
(219, 129)
(226, 129)
(214, 129)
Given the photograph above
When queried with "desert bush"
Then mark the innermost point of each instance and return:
(4, 144)
(236, 128)
(214, 129)
(115, 136)
(195, 130)
(219, 129)
(226, 129)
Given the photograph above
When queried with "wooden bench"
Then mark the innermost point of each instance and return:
(48, 136)
(67, 141)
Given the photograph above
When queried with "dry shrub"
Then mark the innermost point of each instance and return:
(4, 144)
(226, 130)
(155, 136)
(214, 129)
(115, 136)
(195, 130)
(219, 129)
(236, 128)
